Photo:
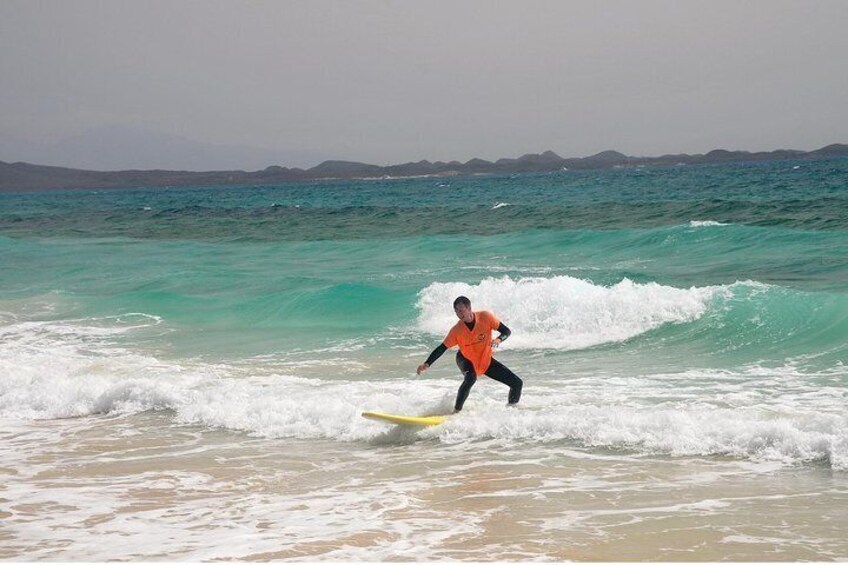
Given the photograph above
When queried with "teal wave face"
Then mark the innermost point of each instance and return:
(567, 293)
(762, 324)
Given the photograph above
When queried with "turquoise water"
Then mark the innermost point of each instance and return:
(682, 334)
(265, 268)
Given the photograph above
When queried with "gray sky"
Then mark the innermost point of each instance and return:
(389, 82)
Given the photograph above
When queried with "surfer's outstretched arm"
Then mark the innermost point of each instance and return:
(438, 352)
(505, 333)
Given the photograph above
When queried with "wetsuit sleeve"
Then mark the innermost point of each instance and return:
(436, 354)
(505, 332)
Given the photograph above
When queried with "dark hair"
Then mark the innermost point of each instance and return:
(461, 300)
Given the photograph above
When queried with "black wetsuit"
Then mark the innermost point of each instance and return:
(496, 370)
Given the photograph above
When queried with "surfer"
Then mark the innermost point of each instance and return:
(473, 335)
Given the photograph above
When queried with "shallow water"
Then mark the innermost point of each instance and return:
(142, 488)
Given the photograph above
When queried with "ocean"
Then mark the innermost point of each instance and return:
(182, 370)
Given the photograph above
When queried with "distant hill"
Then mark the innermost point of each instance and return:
(835, 150)
(121, 148)
(27, 177)
(345, 169)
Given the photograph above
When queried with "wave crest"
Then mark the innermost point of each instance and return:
(564, 312)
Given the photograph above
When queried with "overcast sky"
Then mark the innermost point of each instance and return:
(388, 82)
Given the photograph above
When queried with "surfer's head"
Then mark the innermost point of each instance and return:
(462, 307)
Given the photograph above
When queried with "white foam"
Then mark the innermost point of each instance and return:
(758, 413)
(563, 312)
(57, 369)
(679, 430)
(501, 205)
(705, 224)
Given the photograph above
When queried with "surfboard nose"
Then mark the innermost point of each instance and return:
(406, 420)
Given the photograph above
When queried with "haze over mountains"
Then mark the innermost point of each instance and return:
(114, 148)
(25, 177)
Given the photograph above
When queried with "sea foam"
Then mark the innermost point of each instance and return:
(564, 312)
(51, 370)
(706, 224)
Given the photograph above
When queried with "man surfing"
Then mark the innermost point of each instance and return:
(473, 334)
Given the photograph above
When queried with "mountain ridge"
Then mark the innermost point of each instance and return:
(21, 176)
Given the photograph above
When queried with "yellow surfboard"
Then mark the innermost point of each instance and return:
(406, 420)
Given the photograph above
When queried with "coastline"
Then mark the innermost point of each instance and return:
(26, 177)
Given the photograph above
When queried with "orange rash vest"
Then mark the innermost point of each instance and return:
(476, 344)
